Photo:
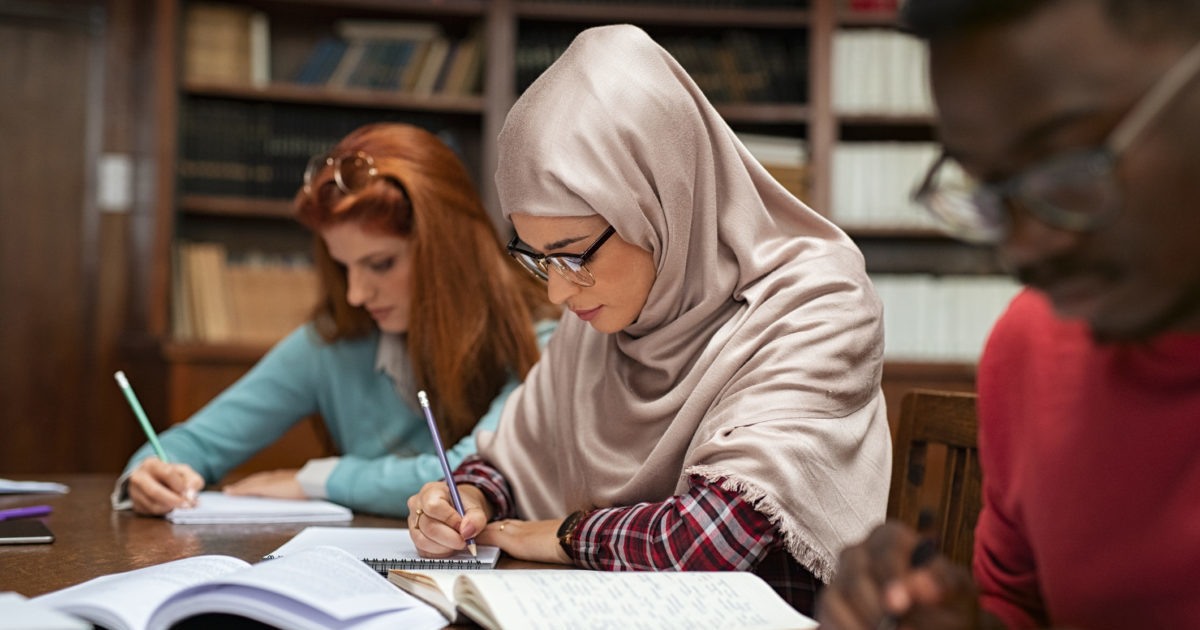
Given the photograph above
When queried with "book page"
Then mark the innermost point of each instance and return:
(650, 600)
(435, 587)
(217, 507)
(323, 587)
(125, 601)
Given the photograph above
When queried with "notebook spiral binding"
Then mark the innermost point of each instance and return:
(383, 565)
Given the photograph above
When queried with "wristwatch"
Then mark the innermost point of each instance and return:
(567, 529)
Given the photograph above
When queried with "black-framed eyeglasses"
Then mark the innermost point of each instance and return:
(573, 267)
(1076, 191)
(351, 173)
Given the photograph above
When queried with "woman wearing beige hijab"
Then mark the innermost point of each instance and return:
(712, 402)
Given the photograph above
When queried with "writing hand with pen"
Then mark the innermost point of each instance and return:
(445, 517)
(157, 487)
(895, 579)
(438, 530)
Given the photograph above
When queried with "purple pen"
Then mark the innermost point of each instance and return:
(441, 453)
(33, 510)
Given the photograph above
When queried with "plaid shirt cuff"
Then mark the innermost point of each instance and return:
(706, 529)
(477, 472)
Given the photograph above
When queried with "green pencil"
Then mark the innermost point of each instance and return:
(141, 415)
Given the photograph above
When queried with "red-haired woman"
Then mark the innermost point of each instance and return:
(417, 293)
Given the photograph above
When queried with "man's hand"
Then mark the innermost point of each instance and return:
(877, 586)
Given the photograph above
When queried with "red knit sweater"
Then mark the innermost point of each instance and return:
(1091, 461)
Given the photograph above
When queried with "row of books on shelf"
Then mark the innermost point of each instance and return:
(735, 66)
(407, 56)
(252, 299)
(785, 158)
(260, 149)
(226, 43)
(872, 183)
(946, 318)
(231, 44)
(880, 71)
(257, 300)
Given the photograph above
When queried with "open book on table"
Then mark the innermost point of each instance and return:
(384, 548)
(317, 589)
(551, 599)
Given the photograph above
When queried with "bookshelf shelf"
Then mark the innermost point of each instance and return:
(183, 351)
(425, 7)
(341, 97)
(764, 113)
(880, 18)
(219, 205)
(896, 232)
(647, 13)
(886, 120)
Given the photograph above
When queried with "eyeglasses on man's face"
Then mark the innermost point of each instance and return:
(1077, 191)
(573, 267)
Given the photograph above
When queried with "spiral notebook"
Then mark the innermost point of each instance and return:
(384, 549)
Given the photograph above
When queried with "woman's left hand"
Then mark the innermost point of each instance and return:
(277, 484)
(536, 541)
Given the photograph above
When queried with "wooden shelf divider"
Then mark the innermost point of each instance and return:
(647, 13)
(341, 97)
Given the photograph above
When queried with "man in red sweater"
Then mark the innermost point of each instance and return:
(1072, 141)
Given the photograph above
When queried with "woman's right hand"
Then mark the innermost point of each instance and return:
(436, 527)
(156, 487)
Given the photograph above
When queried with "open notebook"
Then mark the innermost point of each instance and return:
(217, 507)
(601, 600)
(384, 548)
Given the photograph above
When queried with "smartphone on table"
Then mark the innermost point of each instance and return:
(24, 531)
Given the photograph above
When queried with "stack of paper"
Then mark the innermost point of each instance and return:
(8, 486)
(215, 507)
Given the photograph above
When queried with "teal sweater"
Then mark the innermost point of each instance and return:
(386, 451)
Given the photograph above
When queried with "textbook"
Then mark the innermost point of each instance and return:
(317, 589)
(596, 600)
(383, 548)
(217, 507)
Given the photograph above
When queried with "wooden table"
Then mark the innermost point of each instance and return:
(93, 540)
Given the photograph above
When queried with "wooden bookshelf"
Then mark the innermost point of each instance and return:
(479, 117)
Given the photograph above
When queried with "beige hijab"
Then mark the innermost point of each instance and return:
(756, 359)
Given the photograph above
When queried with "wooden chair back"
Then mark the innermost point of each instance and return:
(947, 418)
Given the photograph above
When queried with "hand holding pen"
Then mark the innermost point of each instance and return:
(441, 453)
(157, 485)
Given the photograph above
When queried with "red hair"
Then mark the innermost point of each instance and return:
(471, 325)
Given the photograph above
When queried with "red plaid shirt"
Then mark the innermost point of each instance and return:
(707, 529)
